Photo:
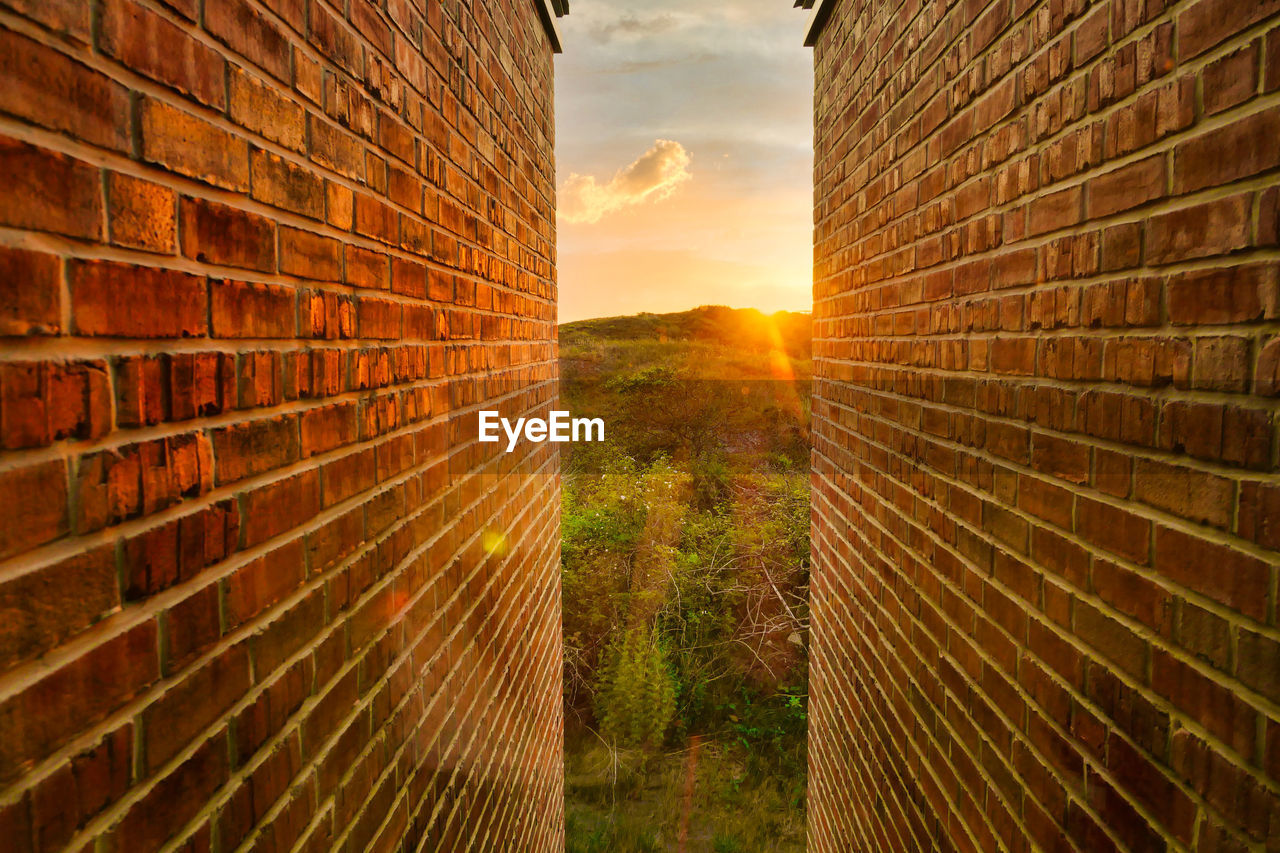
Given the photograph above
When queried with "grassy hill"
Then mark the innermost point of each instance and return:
(685, 581)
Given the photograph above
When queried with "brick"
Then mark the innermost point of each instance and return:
(179, 550)
(339, 206)
(1111, 638)
(1259, 663)
(30, 293)
(68, 17)
(280, 506)
(1056, 211)
(1271, 60)
(163, 303)
(140, 479)
(44, 402)
(1208, 22)
(193, 704)
(173, 801)
(151, 45)
(247, 449)
(242, 309)
(309, 255)
(44, 191)
(1226, 295)
(214, 233)
(193, 625)
(334, 148)
(46, 606)
(1127, 187)
(140, 391)
(375, 219)
(327, 428)
(1231, 80)
(1229, 153)
(261, 108)
(1191, 494)
(251, 33)
(44, 716)
(52, 90)
(141, 214)
(283, 184)
(1117, 530)
(190, 146)
(1201, 231)
(260, 380)
(1223, 574)
(1206, 701)
(263, 582)
(1259, 518)
(37, 497)
(173, 585)
(408, 278)
(365, 268)
(379, 318)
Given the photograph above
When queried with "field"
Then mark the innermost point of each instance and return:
(685, 581)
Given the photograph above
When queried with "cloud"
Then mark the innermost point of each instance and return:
(652, 177)
(631, 26)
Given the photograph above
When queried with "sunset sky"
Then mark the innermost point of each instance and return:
(685, 150)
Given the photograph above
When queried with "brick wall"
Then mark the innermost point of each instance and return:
(1046, 502)
(261, 261)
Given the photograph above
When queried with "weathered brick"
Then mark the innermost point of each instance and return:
(250, 32)
(172, 801)
(54, 91)
(163, 303)
(37, 498)
(310, 255)
(1127, 187)
(264, 582)
(43, 402)
(47, 605)
(179, 550)
(241, 309)
(1226, 295)
(191, 146)
(44, 716)
(139, 479)
(280, 506)
(141, 214)
(44, 191)
(1236, 150)
(161, 645)
(69, 17)
(283, 184)
(30, 293)
(220, 234)
(189, 706)
(246, 449)
(1201, 231)
(328, 427)
(259, 107)
(151, 45)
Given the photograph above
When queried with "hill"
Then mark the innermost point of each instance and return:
(685, 580)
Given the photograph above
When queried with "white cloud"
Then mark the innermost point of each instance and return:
(654, 176)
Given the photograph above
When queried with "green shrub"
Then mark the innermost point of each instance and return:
(636, 696)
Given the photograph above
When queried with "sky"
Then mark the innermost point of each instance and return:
(684, 148)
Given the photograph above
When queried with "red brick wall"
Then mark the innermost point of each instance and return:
(261, 262)
(1046, 502)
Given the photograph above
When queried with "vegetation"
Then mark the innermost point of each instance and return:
(685, 581)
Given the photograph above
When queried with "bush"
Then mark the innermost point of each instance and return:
(636, 697)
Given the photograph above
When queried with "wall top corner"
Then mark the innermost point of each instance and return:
(821, 11)
(548, 11)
